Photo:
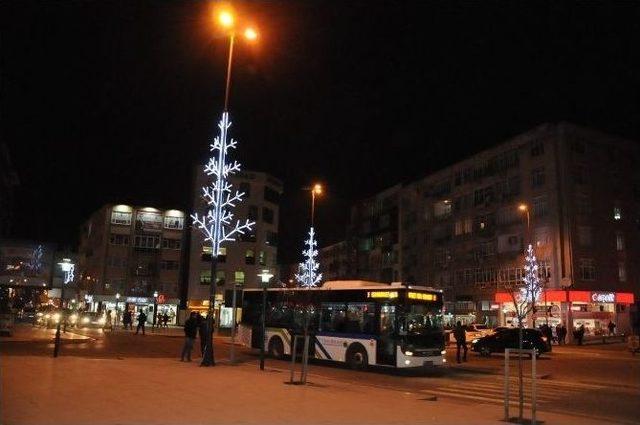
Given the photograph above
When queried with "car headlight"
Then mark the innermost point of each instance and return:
(56, 317)
(475, 340)
(73, 317)
(408, 353)
(40, 314)
(85, 320)
(443, 352)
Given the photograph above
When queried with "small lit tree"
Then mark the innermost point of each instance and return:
(308, 275)
(524, 295)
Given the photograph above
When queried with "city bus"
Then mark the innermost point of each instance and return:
(357, 322)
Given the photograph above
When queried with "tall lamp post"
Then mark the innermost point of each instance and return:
(155, 310)
(216, 223)
(265, 276)
(116, 312)
(68, 268)
(315, 190)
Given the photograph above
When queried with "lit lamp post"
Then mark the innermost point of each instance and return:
(265, 276)
(155, 309)
(116, 313)
(315, 190)
(216, 223)
(68, 268)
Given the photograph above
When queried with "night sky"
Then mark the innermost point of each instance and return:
(116, 101)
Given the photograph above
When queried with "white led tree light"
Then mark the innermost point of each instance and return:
(308, 276)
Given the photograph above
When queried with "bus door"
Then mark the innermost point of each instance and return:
(386, 348)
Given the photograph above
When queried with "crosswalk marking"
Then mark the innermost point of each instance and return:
(493, 391)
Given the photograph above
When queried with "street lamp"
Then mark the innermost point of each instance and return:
(265, 276)
(315, 190)
(155, 309)
(116, 312)
(68, 268)
(525, 208)
(216, 223)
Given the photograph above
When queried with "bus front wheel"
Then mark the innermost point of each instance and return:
(357, 357)
(276, 348)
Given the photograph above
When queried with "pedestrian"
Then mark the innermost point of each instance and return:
(108, 323)
(126, 320)
(202, 332)
(461, 341)
(142, 319)
(559, 334)
(190, 332)
(579, 334)
(165, 319)
(612, 327)
(549, 334)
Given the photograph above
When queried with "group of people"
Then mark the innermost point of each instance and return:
(195, 325)
(127, 321)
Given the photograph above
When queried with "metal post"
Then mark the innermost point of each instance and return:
(264, 328)
(506, 384)
(533, 387)
(305, 360)
(293, 357)
(56, 347)
(232, 351)
(208, 358)
(155, 313)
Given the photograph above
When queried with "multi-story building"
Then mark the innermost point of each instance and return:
(8, 182)
(337, 261)
(463, 228)
(134, 252)
(239, 262)
(373, 234)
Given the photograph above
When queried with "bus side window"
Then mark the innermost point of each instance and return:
(387, 318)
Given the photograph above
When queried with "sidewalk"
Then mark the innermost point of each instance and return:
(73, 390)
(28, 333)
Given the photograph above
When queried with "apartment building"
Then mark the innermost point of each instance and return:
(239, 262)
(132, 256)
(337, 261)
(463, 228)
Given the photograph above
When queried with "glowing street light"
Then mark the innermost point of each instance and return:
(265, 276)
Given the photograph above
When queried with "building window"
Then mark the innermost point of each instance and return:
(247, 237)
(271, 195)
(205, 277)
(121, 217)
(537, 148)
(540, 206)
(117, 262)
(239, 277)
(221, 277)
(584, 236)
(176, 223)
(119, 239)
(587, 269)
(222, 255)
(253, 213)
(619, 242)
(442, 209)
(245, 187)
(622, 272)
(168, 243)
(169, 265)
(249, 257)
(272, 239)
(542, 236)
(537, 177)
(617, 213)
(267, 215)
(151, 242)
(262, 258)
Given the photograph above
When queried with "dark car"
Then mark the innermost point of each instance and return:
(508, 338)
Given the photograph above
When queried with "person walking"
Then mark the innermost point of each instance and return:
(548, 333)
(580, 334)
(612, 327)
(142, 319)
(461, 341)
(165, 319)
(190, 333)
(126, 319)
(559, 334)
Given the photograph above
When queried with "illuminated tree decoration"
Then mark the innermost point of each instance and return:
(35, 262)
(217, 224)
(308, 276)
(68, 273)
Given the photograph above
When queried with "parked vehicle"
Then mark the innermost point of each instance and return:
(474, 331)
(496, 342)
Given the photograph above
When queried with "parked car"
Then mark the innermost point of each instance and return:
(496, 342)
(49, 317)
(475, 331)
(91, 319)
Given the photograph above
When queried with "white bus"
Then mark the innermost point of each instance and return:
(357, 322)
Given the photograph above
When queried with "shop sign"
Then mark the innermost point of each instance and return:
(162, 299)
(138, 300)
(603, 297)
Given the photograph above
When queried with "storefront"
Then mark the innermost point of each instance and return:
(223, 313)
(136, 305)
(591, 309)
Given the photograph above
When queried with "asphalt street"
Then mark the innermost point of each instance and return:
(593, 381)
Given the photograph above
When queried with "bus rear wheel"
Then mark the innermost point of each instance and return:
(276, 348)
(357, 357)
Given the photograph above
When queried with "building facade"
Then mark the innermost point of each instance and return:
(133, 252)
(337, 261)
(239, 262)
(573, 193)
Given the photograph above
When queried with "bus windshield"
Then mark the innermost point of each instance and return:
(420, 319)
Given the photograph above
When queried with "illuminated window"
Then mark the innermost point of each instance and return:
(262, 258)
(220, 277)
(222, 255)
(121, 217)
(249, 257)
(174, 223)
(205, 277)
(617, 213)
(239, 277)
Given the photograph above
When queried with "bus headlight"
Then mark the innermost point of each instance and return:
(408, 353)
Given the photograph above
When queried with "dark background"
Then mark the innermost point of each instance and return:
(115, 101)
